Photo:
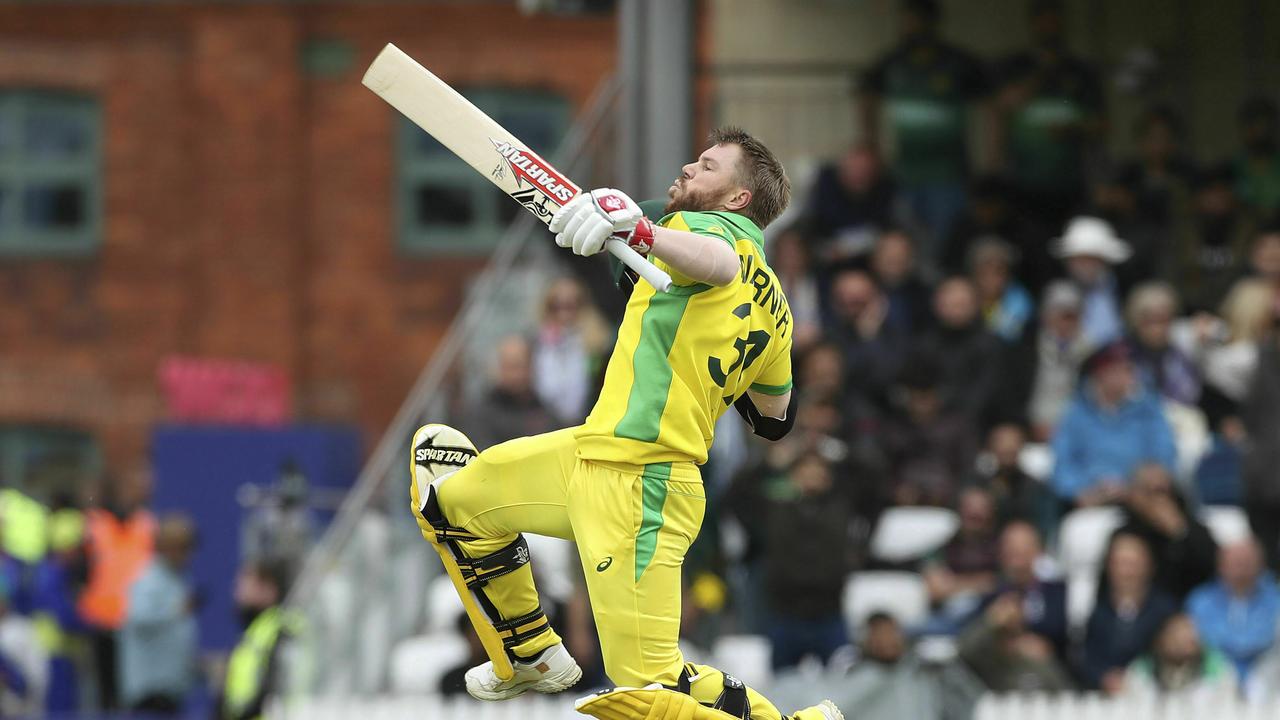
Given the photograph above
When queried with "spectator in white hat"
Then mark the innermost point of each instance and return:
(1090, 250)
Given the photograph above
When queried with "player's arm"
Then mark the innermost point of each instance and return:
(585, 222)
(770, 416)
(704, 258)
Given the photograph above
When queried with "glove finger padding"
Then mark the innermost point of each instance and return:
(566, 211)
(590, 238)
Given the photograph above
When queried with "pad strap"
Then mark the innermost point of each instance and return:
(444, 532)
(733, 699)
(477, 572)
(519, 629)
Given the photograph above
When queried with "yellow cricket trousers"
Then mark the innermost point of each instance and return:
(632, 525)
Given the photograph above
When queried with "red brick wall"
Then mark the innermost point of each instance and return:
(248, 203)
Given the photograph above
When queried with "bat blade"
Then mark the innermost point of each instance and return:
(485, 145)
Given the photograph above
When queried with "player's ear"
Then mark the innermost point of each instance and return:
(738, 199)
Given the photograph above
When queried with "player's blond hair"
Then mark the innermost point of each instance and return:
(759, 172)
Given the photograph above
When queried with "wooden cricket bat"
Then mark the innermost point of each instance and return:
(485, 145)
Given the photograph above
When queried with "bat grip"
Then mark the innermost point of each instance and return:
(637, 262)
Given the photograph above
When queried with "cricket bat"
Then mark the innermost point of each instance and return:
(485, 145)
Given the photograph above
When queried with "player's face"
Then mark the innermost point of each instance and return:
(708, 182)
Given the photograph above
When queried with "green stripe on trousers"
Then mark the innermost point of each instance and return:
(654, 497)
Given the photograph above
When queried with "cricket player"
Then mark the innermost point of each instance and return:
(625, 485)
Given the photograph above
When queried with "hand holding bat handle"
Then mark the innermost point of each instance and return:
(634, 260)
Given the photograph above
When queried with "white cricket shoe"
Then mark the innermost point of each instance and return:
(825, 710)
(551, 672)
(829, 709)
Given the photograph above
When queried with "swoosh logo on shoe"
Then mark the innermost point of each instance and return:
(604, 564)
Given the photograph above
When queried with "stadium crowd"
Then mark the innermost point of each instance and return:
(98, 612)
(1115, 317)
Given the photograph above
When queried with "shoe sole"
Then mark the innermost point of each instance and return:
(546, 686)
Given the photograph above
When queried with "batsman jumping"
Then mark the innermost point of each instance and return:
(625, 485)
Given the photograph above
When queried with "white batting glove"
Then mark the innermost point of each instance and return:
(588, 220)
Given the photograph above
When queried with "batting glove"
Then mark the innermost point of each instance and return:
(588, 220)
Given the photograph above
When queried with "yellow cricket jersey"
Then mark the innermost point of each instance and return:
(684, 356)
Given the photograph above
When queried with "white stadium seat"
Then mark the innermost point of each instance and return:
(901, 594)
(1228, 524)
(910, 533)
(746, 657)
(418, 663)
(1082, 541)
(443, 605)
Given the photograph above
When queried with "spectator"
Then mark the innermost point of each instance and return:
(1160, 177)
(929, 449)
(121, 535)
(928, 86)
(55, 584)
(253, 670)
(158, 639)
(804, 598)
(893, 265)
(1090, 249)
(24, 665)
(1113, 426)
(1264, 257)
(1129, 612)
(1212, 242)
(1180, 670)
(890, 681)
(1162, 365)
(1225, 350)
(567, 352)
(1237, 612)
(1182, 547)
(1050, 108)
(1018, 639)
(1115, 202)
(964, 570)
(852, 201)
(283, 528)
(789, 255)
(1258, 166)
(1017, 495)
(1059, 352)
(511, 408)
(1005, 304)
(1261, 414)
(872, 351)
(991, 213)
(968, 356)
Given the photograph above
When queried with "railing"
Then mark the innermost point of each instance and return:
(363, 586)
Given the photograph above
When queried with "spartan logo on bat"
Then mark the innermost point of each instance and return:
(529, 169)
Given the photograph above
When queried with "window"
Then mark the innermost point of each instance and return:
(50, 173)
(45, 462)
(443, 204)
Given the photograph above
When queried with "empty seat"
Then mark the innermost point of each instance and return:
(901, 594)
(910, 533)
(443, 605)
(418, 663)
(1228, 524)
(746, 657)
(1083, 538)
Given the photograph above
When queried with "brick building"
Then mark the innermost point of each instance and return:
(241, 203)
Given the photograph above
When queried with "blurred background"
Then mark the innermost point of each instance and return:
(1033, 257)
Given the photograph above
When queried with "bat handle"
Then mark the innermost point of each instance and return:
(637, 262)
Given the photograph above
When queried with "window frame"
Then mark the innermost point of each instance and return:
(17, 172)
(414, 168)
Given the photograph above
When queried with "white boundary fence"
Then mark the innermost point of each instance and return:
(1095, 707)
